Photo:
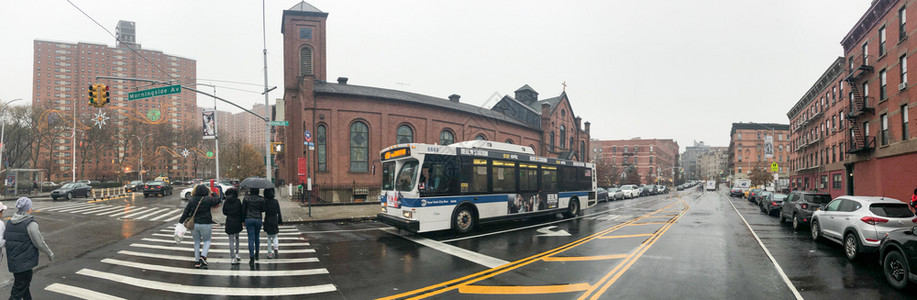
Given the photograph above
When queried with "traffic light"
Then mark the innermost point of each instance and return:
(277, 147)
(93, 94)
(104, 93)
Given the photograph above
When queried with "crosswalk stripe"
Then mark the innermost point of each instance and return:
(77, 209)
(177, 210)
(173, 218)
(65, 206)
(121, 209)
(211, 250)
(208, 290)
(127, 209)
(105, 210)
(221, 229)
(138, 211)
(218, 260)
(77, 292)
(191, 242)
(259, 273)
(156, 211)
(224, 237)
(97, 208)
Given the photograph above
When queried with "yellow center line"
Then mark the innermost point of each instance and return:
(625, 236)
(625, 264)
(518, 290)
(472, 278)
(648, 223)
(585, 258)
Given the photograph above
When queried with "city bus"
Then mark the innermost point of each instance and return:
(433, 187)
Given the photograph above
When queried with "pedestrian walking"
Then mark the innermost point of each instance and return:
(252, 207)
(199, 209)
(23, 242)
(232, 209)
(2, 229)
(914, 200)
(272, 220)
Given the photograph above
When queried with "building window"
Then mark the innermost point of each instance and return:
(904, 120)
(865, 94)
(635, 160)
(404, 134)
(614, 149)
(446, 137)
(902, 19)
(320, 148)
(651, 159)
(582, 150)
(551, 141)
(305, 33)
(509, 141)
(882, 82)
(563, 137)
(480, 137)
(902, 61)
(882, 41)
(884, 130)
(740, 136)
(305, 61)
(865, 49)
(866, 131)
(572, 144)
(824, 182)
(836, 181)
(359, 147)
(740, 169)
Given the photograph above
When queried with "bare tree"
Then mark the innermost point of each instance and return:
(240, 160)
(607, 173)
(760, 176)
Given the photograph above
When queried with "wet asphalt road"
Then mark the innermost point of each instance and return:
(685, 245)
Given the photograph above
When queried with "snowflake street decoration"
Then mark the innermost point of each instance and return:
(185, 152)
(99, 118)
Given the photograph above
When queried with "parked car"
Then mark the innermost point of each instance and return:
(615, 194)
(898, 257)
(859, 222)
(737, 192)
(601, 194)
(222, 186)
(651, 189)
(771, 204)
(47, 185)
(641, 191)
(680, 187)
(762, 196)
(71, 190)
(630, 191)
(662, 189)
(798, 207)
(134, 186)
(157, 188)
(752, 193)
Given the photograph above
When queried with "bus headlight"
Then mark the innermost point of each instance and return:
(408, 214)
(384, 210)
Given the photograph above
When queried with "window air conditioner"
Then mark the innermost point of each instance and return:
(902, 85)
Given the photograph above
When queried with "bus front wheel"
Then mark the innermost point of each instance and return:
(573, 208)
(463, 219)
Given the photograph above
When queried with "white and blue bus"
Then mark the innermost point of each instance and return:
(431, 187)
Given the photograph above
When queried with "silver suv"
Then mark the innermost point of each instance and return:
(859, 223)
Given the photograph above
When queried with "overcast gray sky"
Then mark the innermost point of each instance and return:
(676, 69)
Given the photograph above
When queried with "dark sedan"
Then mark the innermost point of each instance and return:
(737, 192)
(157, 188)
(898, 257)
(71, 190)
(134, 186)
(601, 194)
(772, 203)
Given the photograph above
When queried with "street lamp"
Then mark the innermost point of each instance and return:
(140, 171)
(3, 130)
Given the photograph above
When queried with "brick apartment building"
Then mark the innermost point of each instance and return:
(882, 150)
(689, 160)
(655, 160)
(712, 163)
(350, 124)
(818, 138)
(62, 73)
(746, 148)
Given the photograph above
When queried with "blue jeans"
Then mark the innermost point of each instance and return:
(253, 227)
(201, 234)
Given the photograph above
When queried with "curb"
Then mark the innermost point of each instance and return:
(334, 203)
(351, 219)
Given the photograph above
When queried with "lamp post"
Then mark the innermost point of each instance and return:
(3, 130)
(140, 171)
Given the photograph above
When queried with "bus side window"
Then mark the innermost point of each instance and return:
(474, 173)
(548, 179)
(439, 175)
(528, 177)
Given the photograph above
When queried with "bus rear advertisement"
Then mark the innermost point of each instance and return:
(432, 187)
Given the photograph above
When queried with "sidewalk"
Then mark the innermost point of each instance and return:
(293, 213)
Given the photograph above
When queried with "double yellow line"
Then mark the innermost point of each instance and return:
(464, 283)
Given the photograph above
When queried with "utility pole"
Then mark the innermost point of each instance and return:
(267, 107)
(3, 130)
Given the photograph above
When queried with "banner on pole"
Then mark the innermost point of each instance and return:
(210, 124)
(769, 146)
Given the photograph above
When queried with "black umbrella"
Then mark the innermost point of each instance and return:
(256, 183)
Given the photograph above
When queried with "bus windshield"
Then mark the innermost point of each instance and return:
(407, 176)
(388, 176)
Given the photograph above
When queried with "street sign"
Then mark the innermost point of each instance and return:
(308, 136)
(279, 123)
(311, 147)
(209, 153)
(166, 90)
(774, 167)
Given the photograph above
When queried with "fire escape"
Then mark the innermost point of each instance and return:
(859, 108)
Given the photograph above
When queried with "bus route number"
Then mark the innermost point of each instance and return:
(510, 156)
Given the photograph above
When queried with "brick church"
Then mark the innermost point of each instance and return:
(350, 124)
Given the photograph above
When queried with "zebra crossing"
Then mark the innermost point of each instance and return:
(155, 266)
(163, 214)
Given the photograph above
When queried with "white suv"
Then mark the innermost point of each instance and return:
(630, 191)
(859, 223)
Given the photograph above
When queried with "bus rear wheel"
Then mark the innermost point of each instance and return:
(573, 208)
(463, 219)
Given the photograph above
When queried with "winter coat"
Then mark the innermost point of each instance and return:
(252, 207)
(23, 241)
(272, 217)
(203, 215)
(232, 209)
